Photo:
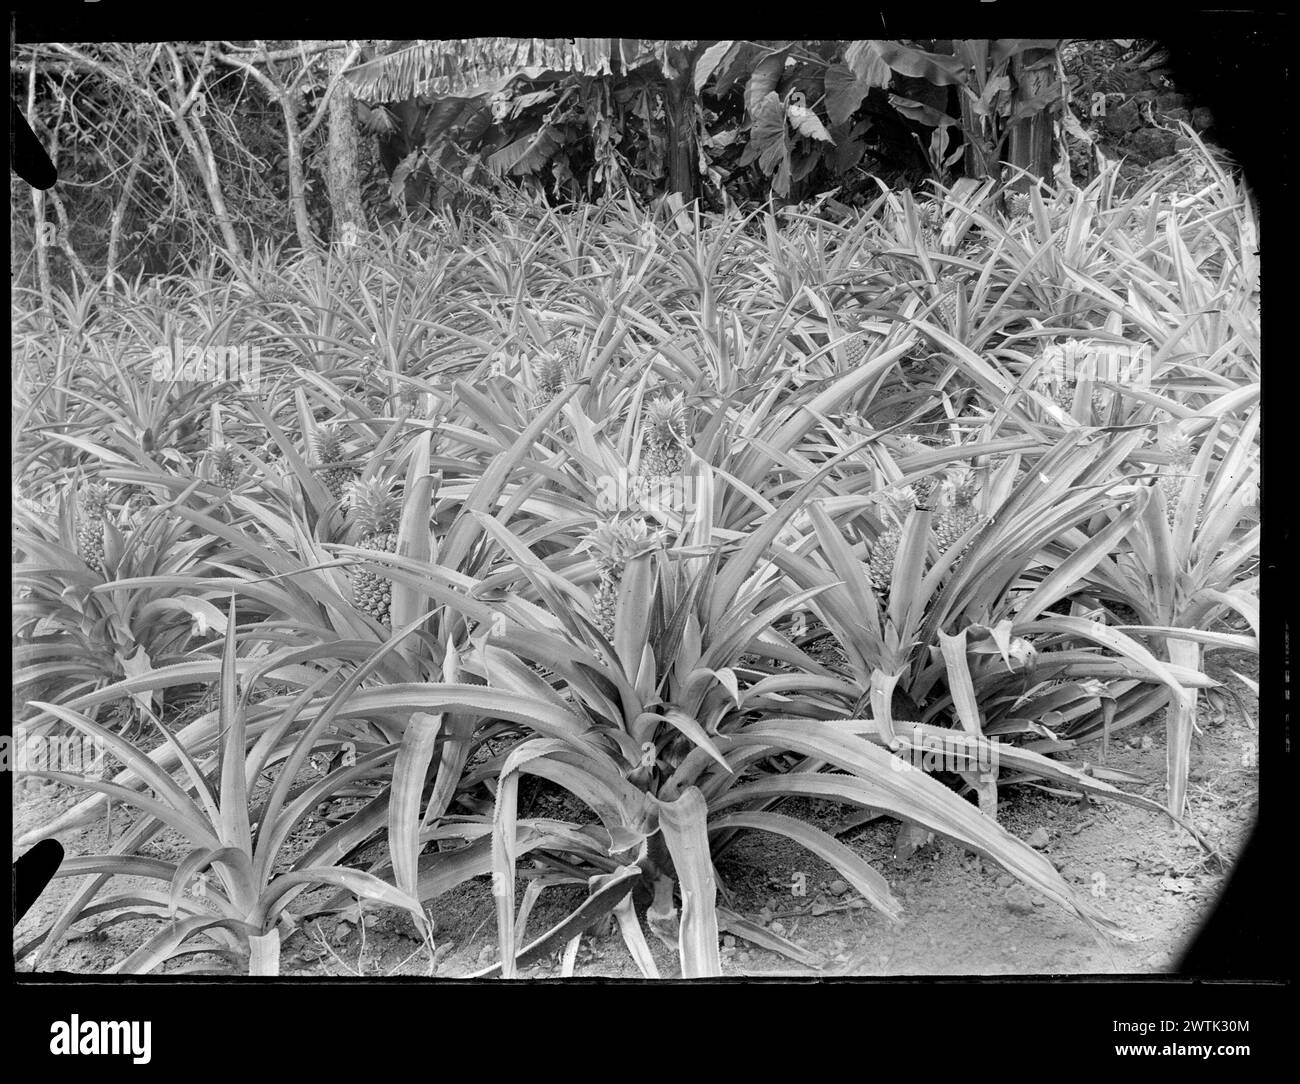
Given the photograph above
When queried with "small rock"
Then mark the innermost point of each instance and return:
(1006, 881)
(1146, 743)
(1123, 118)
(777, 928)
(1018, 900)
(1038, 838)
(837, 887)
(1152, 143)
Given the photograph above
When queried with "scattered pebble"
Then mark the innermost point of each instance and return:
(1038, 838)
(1006, 881)
(837, 887)
(1018, 900)
(777, 928)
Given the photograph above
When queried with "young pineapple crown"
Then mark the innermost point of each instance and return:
(1178, 445)
(550, 372)
(616, 542)
(897, 502)
(374, 507)
(329, 446)
(958, 489)
(94, 499)
(666, 420)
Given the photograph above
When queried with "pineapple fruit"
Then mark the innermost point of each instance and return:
(947, 307)
(1171, 475)
(374, 513)
(138, 505)
(958, 513)
(564, 346)
(858, 340)
(613, 544)
(880, 565)
(1017, 204)
(329, 449)
(90, 525)
(880, 562)
(551, 378)
(269, 453)
(604, 603)
(932, 226)
(664, 453)
(225, 467)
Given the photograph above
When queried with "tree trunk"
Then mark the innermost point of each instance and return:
(297, 188)
(42, 227)
(119, 211)
(343, 175)
(680, 109)
(1032, 146)
(187, 116)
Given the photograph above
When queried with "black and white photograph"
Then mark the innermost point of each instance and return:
(587, 509)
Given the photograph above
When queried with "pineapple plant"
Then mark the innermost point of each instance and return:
(93, 508)
(329, 450)
(374, 513)
(664, 432)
